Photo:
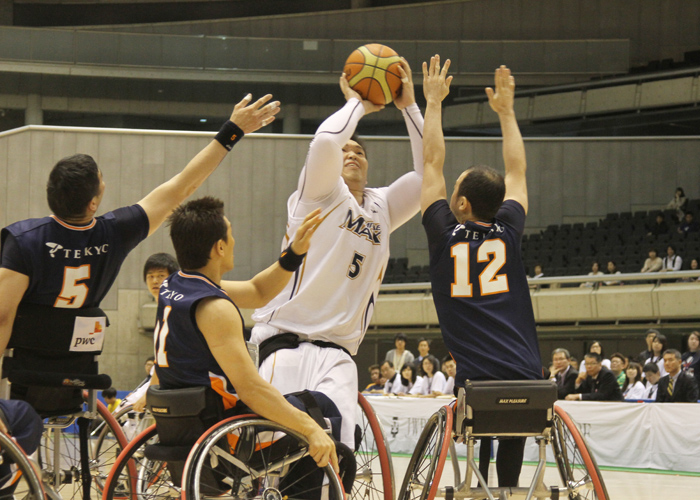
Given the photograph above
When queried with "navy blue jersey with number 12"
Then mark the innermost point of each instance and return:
(481, 294)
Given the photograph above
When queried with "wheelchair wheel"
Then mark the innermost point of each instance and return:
(134, 477)
(375, 473)
(21, 481)
(425, 467)
(249, 457)
(577, 466)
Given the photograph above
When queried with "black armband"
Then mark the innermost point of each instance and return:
(229, 134)
(289, 260)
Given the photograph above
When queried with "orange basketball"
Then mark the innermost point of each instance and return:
(373, 72)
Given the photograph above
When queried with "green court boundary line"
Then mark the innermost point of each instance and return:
(601, 467)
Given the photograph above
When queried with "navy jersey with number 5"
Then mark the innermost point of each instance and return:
(481, 294)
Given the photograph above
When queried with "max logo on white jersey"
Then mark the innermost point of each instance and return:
(367, 229)
(68, 253)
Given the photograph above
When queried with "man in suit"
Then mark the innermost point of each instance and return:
(562, 372)
(597, 384)
(676, 386)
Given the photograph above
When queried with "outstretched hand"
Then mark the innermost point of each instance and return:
(251, 117)
(501, 101)
(436, 83)
(407, 95)
(349, 93)
(322, 449)
(302, 239)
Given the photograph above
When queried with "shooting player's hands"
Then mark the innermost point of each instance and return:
(436, 83)
(322, 448)
(407, 95)
(501, 101)
(251, 117)
(349, 93)
(302, 238)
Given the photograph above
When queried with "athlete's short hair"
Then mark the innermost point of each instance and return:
(594, 355)
(485, 189)
(160, 260)
(195, 227)
(387, 362)
(561, 350)
(73, 182)
(651, 367)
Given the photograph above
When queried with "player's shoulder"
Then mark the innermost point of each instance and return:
(27, 225)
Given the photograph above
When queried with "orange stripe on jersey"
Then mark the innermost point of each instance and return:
(192, 276)
(219, 385)
(482, 224)
(74, 228)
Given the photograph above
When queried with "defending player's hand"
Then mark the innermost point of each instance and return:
(322, 449)
(501, 101)
(140, 405)
(407, 95)
(302, 239)
(436, 83)
(251, 117)
(349, 93)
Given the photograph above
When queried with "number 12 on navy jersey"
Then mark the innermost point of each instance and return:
(490, 282)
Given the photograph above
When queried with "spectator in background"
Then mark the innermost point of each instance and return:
(671, 262)
(659, 226)
(158, 267)
(634, 387)
(393, 378)
(597, 384)
(595, 271)
(653, 263)
(573, 361)
(597, 348)
(678, 203)
(618, 362)
(375, 374)
(399, 356)
(688, 225)
(677, 386)
(563, 373)
(691, 358)
(612, 269)
(693, 267)
(110, 397)
(652, 376)
(423, 352)
(408, 380)
(647, 353)
(658, 347)
(433, 380)
(538, 273)
(449, 368)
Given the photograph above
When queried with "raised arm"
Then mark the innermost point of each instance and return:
(436, 86)
(268, 283)
(246, 118)
(501, 101)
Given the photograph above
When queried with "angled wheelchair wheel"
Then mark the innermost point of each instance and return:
(577, 466)
(374, 479)
(18, 480)
(428, 460)
(249, 457)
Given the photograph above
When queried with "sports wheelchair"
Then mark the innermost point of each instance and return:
(374, 479)
(23, 481)
(503, 409)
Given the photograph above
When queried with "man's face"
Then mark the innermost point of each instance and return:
(387, 371)
(149, 364)
(689, 218)
(592, 367)
(400, 344)
(450, 368)
(154, 278)
(374, 375)
(670, 252)
(423, 348)
(355, 164)
(538, 270)
(560, 362)
(652, 377)
(616, 365)
(672, 363)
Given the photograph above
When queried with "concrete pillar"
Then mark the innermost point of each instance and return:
(291, 123)
(33, 115)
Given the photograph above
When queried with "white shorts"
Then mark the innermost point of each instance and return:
(323, 369)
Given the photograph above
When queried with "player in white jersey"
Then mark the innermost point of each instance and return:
(332, 296)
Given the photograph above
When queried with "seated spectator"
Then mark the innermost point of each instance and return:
(538, 273)
(562, 372)
(449, 368)
(408, 380)
(433, 379)
(691, 358)
(653, 263)
(634, 388)
(393, 378)
(647, 353)
(658, 347)
(110, 397)
(423, 352)
(688, 225)
(659, 226)
(671, 262)
(597, 348)
(678, 203)
(612, 269)
(573, 361)
(399, 356)
(652, 376)
(677, 386)
(597, 384)
(618, 362)
(375, 374)
(595, 271)
(693, 267)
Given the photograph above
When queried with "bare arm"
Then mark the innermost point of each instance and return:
(222, 329)
(268, 283)
(12, 288)
(436, 86)
(501, 101)
(162, 200)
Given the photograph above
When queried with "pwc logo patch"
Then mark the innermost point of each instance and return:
(88, 334)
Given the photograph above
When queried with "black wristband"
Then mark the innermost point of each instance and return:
(289, 260)
(229, 134)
